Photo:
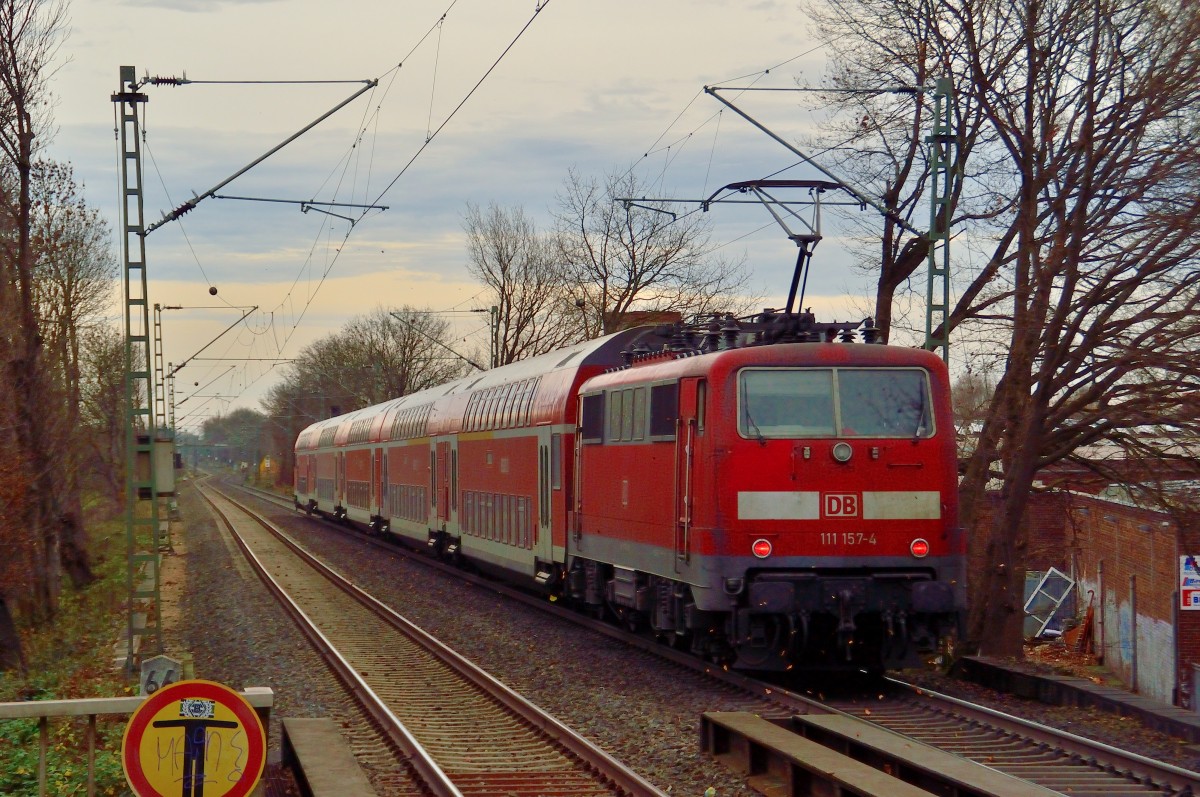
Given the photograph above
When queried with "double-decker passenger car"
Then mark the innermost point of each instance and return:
(763, 492)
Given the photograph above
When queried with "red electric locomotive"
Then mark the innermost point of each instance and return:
(768, 493)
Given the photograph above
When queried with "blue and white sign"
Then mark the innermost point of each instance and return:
(1189, 582)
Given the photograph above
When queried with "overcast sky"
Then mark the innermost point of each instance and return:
(590, 86)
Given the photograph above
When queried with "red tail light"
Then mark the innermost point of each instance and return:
(919, 548)
(761, 548)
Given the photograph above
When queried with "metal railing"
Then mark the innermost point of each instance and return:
(261, 698)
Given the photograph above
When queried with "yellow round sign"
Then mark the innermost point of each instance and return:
(194, 739)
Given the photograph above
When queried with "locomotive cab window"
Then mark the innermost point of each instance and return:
(834, 402)
(884, 402)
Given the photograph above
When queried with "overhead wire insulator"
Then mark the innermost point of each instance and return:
(167, 81)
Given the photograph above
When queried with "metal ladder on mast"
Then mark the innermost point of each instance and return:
(143, 535)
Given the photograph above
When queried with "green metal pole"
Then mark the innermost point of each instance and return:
(937, 296)
(141, 532)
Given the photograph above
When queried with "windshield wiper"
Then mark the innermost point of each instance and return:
(758, 435)
(920, 430)
(762, 441)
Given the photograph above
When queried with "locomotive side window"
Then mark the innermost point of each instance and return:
(627, 414)
(639, 413)
(591, 421)
(614, 416)
(664, 409)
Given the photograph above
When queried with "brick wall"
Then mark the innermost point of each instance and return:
(1126, 563)
(1125, 560)
(1046, 519)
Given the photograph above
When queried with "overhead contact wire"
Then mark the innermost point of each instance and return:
(437, 55)
(537, 10)
(463, 102)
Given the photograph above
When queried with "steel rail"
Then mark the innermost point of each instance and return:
(1171, 778)
(388, 723)
(792, 701)
(1100, 756)
(622, 778)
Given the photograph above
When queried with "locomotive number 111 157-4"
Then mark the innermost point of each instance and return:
(847, 538)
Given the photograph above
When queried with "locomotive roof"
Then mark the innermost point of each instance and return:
(666, 365)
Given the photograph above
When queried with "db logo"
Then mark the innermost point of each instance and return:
(841, 505)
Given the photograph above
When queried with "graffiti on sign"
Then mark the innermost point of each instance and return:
(194, 739)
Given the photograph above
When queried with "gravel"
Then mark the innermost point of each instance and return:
(643, 712)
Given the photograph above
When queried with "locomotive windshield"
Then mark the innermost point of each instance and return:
(834, 402)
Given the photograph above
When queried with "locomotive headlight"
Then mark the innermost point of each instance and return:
(761, 548)
(919, 548)
(842, 452)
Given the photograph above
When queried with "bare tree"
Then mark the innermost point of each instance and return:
(618, 257)
(102, 399)
(20, 545)
(240, 433)
(880, 93)
(379, 356)
(73, 275)
(30, 34)
(1085, 116)
(534, 313)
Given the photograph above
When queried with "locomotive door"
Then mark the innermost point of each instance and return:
(689, 427)
(442, 484)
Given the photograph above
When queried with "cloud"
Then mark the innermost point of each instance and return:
(194, 6)
(594, 87)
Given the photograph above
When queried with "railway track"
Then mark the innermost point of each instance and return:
(1032, 753)
(1035, 753)
(460, 731)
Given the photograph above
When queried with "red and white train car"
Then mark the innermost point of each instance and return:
(769, 505)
